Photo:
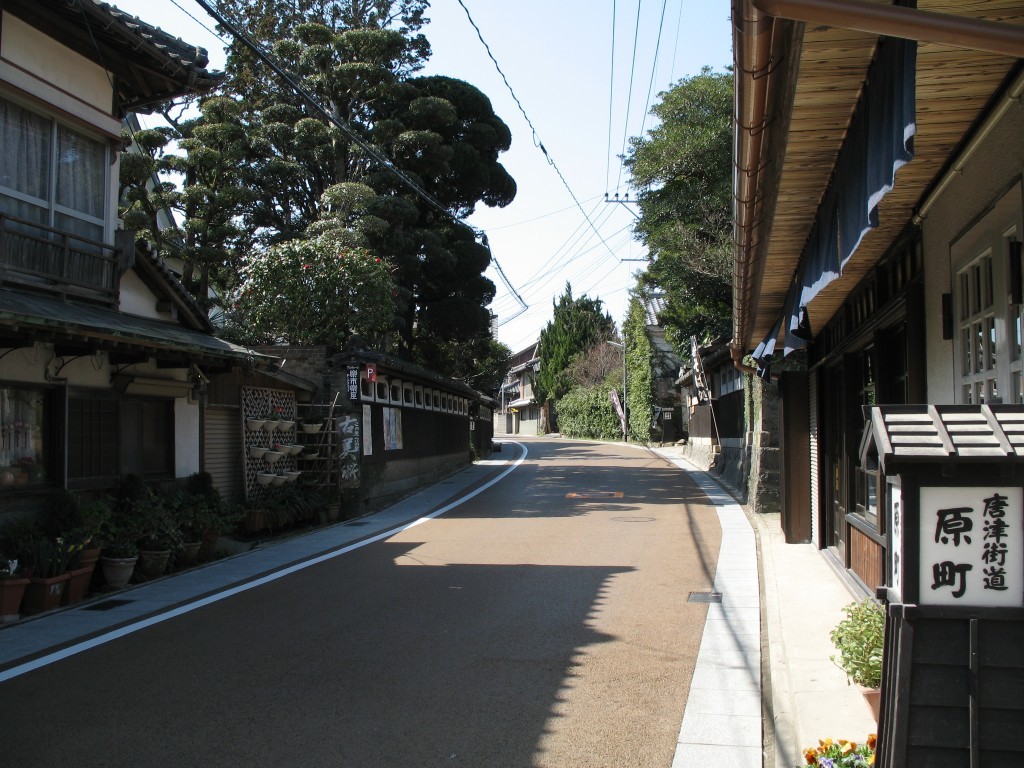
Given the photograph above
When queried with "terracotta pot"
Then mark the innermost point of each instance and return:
(873, 696)
(89, 557)
(153, 562)
(43, 594)
(117, 571)
(189, 554)
(11, 593)
(78, 585)
(208, 548)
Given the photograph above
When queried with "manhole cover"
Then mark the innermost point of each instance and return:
(705, 597)
(106, 605)
(594, 495)
(633, 519)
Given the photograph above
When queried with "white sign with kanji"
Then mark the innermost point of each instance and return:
(972, 547)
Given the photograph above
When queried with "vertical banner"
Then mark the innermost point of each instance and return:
(392, 429)
(348, 449)
(367, 431)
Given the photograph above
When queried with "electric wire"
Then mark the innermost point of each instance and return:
(629, 95)
(536, 138)
(654, 70)
(675, 48)
(611, 104)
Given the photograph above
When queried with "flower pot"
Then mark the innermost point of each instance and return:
(265, 478)
(257, 451)
(254, 425)
(292, 475)
(153, 562)
(117, 571)
(11, 593)
(873, 696)
(311, 429)
(43, 594)
(310, 454)
(271, 457)
(296, 449)
(279, 480)
(77, 586)
(189, 554)
(208, 546)
(284, 426)
(89, 557)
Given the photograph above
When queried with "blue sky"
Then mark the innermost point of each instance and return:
(582, 103)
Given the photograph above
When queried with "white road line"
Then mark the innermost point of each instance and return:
(128, 629)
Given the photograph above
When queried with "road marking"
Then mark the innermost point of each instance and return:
(180, 610)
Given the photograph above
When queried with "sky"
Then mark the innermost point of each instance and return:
(578, 85)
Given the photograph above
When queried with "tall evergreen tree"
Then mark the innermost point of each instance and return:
(576, 326)
(683, 172)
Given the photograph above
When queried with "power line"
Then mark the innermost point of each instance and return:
(611, 103)
(536, 138)
(629, 96)
(654, 68)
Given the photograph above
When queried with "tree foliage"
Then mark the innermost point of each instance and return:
(261, 167)
(639, 370)
(587, 412)
(683, 172)
(577, 324)
(308, 292)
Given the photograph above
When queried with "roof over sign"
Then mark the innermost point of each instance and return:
(929, 433)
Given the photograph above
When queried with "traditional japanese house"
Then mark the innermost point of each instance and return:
(879, 152)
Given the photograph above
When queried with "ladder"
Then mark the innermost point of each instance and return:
(699, 379)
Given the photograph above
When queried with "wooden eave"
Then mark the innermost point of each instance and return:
(954, 89)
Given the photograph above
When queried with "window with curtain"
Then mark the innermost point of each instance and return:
(51, 174)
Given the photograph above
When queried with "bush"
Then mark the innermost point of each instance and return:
(859, 639)
(587, 412)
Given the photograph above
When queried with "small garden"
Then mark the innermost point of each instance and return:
(95, 542)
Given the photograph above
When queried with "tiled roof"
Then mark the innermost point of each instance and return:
(150, 66)
(930, 432)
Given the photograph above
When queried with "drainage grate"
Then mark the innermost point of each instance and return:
(595, 495)
(705, 597)
(106, 605)
(633, 519)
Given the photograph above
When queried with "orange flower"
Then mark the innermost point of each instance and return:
(872, 739)
(811, 756)
(846, 747)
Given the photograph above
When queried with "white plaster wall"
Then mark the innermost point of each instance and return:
(989, 172)
(137, 299)
(37, 64)
(186, 438)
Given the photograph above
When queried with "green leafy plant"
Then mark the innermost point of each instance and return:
(859, 639)
(841, 754)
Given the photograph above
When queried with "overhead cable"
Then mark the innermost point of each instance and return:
(536, 138)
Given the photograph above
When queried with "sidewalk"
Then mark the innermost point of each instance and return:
(806, 697)
(764, 657)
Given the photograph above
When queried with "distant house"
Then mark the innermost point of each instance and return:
(104, 357)
(518, 411)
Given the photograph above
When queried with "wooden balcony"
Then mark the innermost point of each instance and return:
(46, 260)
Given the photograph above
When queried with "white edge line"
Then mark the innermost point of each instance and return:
(129, 629)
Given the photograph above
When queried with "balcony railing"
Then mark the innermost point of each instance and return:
(47, 260)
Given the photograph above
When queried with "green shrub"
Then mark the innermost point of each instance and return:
(859, 639)
(587, 412)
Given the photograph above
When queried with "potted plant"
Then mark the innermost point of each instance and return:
(859, 638)
(842, 753)
(158, 515)
(46, 562)
(120, 532)
(313, 421)
(12, 589)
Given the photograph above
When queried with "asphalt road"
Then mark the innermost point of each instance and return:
(524, 628)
